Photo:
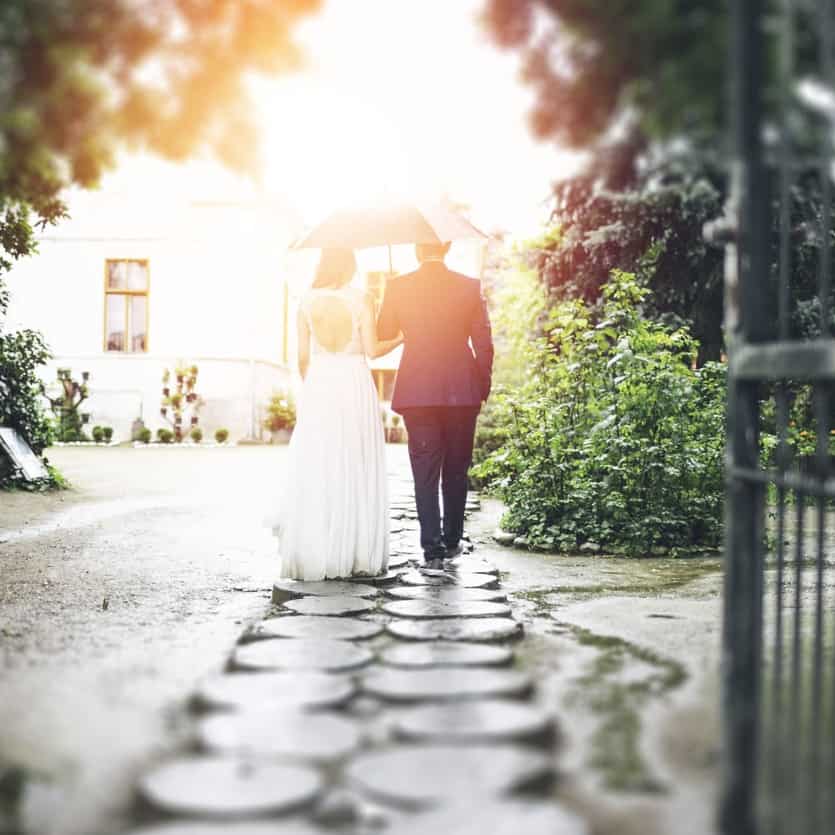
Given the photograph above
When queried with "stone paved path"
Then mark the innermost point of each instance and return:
(385, 705)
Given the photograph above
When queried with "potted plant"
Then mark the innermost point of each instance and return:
(397, 434)
(281, 417)
(107, 432)
(144, 435)
(98, 434)
(222, 435)
(181, 404)
(196, 434)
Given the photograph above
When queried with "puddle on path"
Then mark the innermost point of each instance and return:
(608, 686)
(616, 688)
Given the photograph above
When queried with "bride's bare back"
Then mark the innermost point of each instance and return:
(332, 323)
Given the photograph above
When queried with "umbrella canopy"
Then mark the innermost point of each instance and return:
(386, 226)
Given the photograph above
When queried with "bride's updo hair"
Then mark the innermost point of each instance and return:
(336, 268)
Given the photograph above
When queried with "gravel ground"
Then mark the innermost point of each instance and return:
(114, 598)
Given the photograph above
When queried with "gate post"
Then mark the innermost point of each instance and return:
(747, 321)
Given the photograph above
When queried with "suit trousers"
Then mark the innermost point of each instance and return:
(441, 451)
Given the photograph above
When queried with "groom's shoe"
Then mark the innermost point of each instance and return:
(434, 568)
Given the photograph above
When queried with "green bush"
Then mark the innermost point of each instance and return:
(21, 354)
(145, 435)
(98, 434)
(165, 436)
(222, 435)
(614, 437)
(107, 433)
(196, 434)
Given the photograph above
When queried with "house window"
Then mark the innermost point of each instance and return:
(126, 305)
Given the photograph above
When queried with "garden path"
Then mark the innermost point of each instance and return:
(573, 690)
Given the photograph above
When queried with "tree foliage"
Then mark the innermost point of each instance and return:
(659, 67)
(594, 63)
(78, 77)
(654, 226)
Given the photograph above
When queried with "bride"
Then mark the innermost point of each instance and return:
(333, 520)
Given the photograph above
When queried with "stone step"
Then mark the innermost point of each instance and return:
(224, 787)
(432, 609)
(473, 565)
(316, 626)
(330, 606)
(452, 629)
(278, 691)
(445, 654)
(301, 654)
(284, 590)
(451, 683)
(465, 580)
(509, 817)
(449, 593)
(494, 720)
(390, 578)
(423, 776)
(198, 827)
(287, 734)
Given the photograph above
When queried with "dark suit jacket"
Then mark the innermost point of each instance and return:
(439, 313)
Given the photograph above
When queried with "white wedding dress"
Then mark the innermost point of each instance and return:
(333, 518)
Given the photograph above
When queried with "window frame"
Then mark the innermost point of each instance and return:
(127, 294)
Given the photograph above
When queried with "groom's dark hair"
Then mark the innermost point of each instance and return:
(425, 252)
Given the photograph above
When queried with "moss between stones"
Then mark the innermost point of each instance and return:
(615, 742)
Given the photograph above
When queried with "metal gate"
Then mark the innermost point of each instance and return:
(779, 620)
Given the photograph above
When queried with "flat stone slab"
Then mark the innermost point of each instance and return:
(465, 580)
(302, 654)
(274, 690)
(316, 738)
(399, 560)
(474, 565)
(422, 776)
(429, 609)
(390, 578)
(229, 787)
(292, 589)
(338, 605)
(452, 629)
(447, 594)
(498, 818)
(487, 721)
(446, 654)
(449, 683)
(317, 626)
(271, 827)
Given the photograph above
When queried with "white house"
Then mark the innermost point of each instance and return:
(170, 265)
(165, 265)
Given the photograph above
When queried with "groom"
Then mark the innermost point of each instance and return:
(444, 377)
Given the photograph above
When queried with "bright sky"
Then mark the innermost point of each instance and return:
(405, 99)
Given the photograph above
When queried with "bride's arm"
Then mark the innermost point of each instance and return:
(372, 346)
(304, 343)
